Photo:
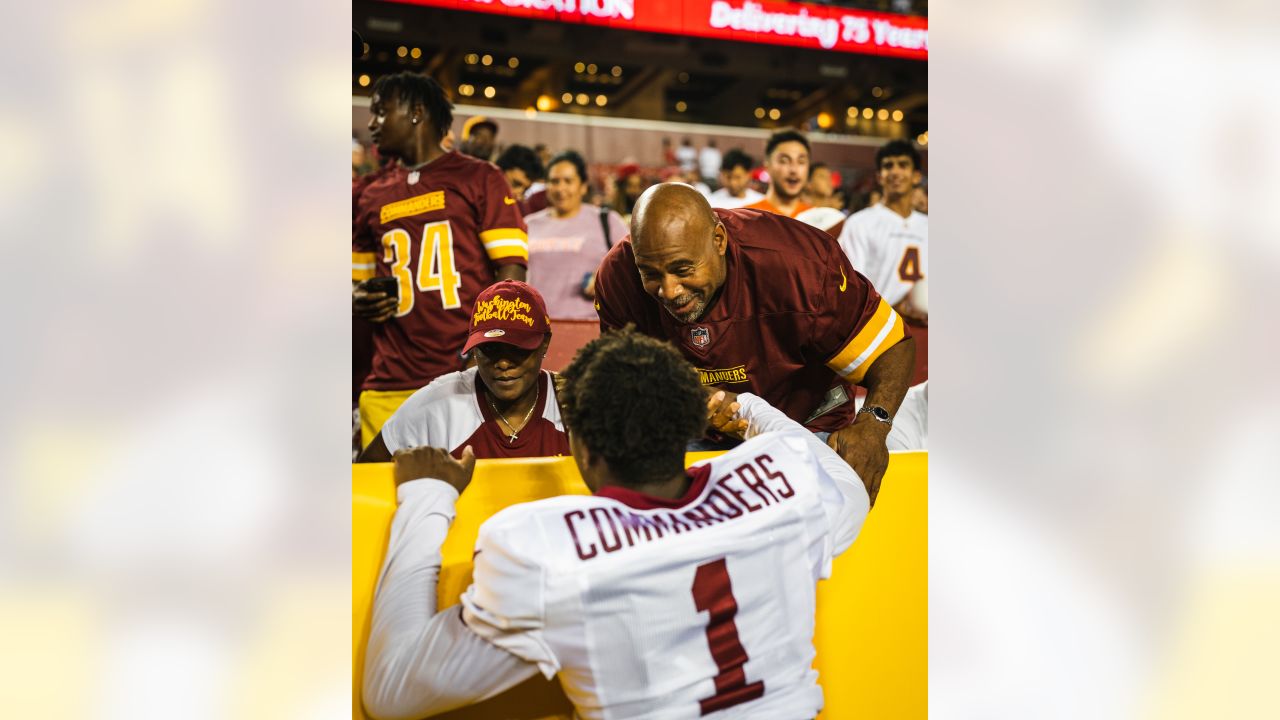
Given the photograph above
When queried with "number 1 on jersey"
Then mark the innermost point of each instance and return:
(713, 592)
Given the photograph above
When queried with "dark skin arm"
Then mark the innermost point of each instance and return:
(376, 452)
(509, 272)
(862, 444)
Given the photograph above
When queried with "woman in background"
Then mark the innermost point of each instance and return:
(568, 240)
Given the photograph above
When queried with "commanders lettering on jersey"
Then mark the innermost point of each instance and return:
(500, 308)
(613, 529)
(723, 375)
(415, 205)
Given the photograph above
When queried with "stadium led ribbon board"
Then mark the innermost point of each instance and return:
(819, 27)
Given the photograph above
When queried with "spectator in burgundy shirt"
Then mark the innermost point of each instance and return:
(764, 304)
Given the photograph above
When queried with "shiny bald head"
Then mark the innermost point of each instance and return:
(679, 246)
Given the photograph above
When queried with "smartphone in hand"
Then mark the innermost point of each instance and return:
(388, 285)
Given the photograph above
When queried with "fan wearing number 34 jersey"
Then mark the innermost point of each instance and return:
(444, 227)
(665, 594)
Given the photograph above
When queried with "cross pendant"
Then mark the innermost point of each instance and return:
(512, 438)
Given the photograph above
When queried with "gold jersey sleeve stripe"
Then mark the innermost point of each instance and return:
(881, 332)
(498, 234)
(363, 265)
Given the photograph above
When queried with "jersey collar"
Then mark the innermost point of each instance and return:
(698, 474)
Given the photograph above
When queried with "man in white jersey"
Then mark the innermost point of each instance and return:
(666, 594)
(889, 242)
(735, 182)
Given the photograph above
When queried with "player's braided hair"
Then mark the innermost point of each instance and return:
(416, 89)
(635, 402)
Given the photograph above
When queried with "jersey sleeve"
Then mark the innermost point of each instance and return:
(364, 246)
(618, 289)
(407, 427)
(855, 325)
(845, 502)
(506, 602)
(420, 662)
(502, 229)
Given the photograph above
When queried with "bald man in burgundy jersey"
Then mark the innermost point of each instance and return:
(764, 304)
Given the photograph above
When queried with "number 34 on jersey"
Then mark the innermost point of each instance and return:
(436, 268)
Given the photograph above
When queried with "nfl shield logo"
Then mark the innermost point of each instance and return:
(701, 336)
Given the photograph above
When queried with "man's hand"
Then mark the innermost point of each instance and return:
(862, 445)
(372, 306)
(428, 462)
(722, 411)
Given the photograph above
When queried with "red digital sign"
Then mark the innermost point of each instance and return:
(820, 27)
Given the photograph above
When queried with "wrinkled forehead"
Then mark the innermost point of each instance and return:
(676, 237)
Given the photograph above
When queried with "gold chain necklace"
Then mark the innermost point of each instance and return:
(537, 391)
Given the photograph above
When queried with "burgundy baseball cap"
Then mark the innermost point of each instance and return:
(508, 312)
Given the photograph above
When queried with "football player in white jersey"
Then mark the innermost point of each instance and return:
(889, 242)
(666, 594)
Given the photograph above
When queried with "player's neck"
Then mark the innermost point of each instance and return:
(900, 204)
(423, 152)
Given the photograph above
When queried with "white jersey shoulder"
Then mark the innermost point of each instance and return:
(722, 199)
(890, 250)
(446, 413)
(619, 597)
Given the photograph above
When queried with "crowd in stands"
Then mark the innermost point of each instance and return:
(549, 221)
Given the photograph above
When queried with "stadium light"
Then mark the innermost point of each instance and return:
(489, 91)
(825, 120)
(545, 103)
(867, 113)
(486, 59)
(681, 106)
(775, 113)
(601, 100)
(402, 51)
(364, 81)
(513, 63)
(897, 116)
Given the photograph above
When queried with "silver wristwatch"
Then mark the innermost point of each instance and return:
(878, 413)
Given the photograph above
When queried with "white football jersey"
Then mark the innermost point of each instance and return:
(675, 609)
(722, 199)
(890, 250)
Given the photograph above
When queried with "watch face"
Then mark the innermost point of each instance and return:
(878, 411)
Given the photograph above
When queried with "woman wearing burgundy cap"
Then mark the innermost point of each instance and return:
(503, 407)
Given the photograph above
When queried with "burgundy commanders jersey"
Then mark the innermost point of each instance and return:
(440, 231)
(794, 323)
